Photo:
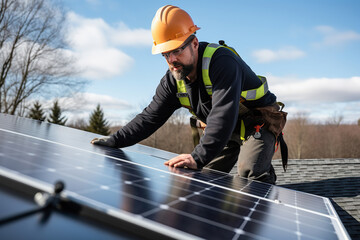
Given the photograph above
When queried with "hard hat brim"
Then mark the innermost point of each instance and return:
(168, 46)
(171, 44)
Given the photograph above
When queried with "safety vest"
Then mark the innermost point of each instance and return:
(246, 95)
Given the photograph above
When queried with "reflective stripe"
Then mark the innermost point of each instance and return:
(209, 51)
(206, 63)
(182, 94)
(255, 94)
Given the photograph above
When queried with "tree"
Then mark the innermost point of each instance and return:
(335, 119)
(299, 135)
(97, 122)
(55, 115)
(33, 53)
(36, 112)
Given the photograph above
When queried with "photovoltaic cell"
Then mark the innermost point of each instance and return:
(133, 185)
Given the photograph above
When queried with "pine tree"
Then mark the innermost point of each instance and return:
(97, 123)
(36, 112)
(55, 115)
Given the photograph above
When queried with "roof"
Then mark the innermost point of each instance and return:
(336, 179)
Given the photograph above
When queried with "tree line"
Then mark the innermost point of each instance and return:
(305, 139)
(97, 122)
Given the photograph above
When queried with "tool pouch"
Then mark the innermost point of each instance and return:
(273, 117)
(274, 120)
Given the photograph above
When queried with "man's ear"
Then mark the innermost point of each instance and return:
(196, 43)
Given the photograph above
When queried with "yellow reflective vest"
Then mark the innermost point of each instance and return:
(246, 95)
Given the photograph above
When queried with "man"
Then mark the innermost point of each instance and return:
(217, 104)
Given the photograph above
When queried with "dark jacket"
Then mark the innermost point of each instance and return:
(229, 75)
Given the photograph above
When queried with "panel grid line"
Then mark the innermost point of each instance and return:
(180, 175)
(124, 160)
(132, 186)
(240, 230)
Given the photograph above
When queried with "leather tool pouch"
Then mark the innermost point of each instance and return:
(273, 117)
(274, 120)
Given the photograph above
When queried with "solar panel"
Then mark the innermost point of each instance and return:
(130, 193)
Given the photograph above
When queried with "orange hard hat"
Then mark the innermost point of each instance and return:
(170, 27)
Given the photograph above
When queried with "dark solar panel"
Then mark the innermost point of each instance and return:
(134, 186)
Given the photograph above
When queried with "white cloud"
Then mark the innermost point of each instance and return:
(316, 90)
(103, 63)
(124, 36)
(333, 37)
(97, 46)
(286, 53)
(88, 102)
(320, 97)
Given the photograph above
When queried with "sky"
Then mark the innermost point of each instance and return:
(308, 50)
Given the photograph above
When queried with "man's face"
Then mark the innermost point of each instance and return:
(182, 61)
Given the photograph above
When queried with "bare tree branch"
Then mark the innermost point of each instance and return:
(33, 55)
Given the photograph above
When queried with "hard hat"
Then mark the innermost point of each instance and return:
(170, 27)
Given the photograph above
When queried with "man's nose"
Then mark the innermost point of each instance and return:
(172, 58)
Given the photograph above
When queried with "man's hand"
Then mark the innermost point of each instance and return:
(183, 160)
(104, 141)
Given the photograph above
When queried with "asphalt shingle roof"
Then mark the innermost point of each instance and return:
(336, 179)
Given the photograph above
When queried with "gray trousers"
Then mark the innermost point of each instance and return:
(253, 157)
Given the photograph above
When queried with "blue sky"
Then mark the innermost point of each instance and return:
(308, 50)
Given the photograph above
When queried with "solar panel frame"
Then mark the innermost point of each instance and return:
(45, 224)
(138, 157)
(93, 209)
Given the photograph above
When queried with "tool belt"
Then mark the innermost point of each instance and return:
(270, 117)
(273, 118)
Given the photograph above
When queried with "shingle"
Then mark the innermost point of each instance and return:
(336, 179)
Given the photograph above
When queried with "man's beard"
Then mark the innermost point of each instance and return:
(183, 72)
